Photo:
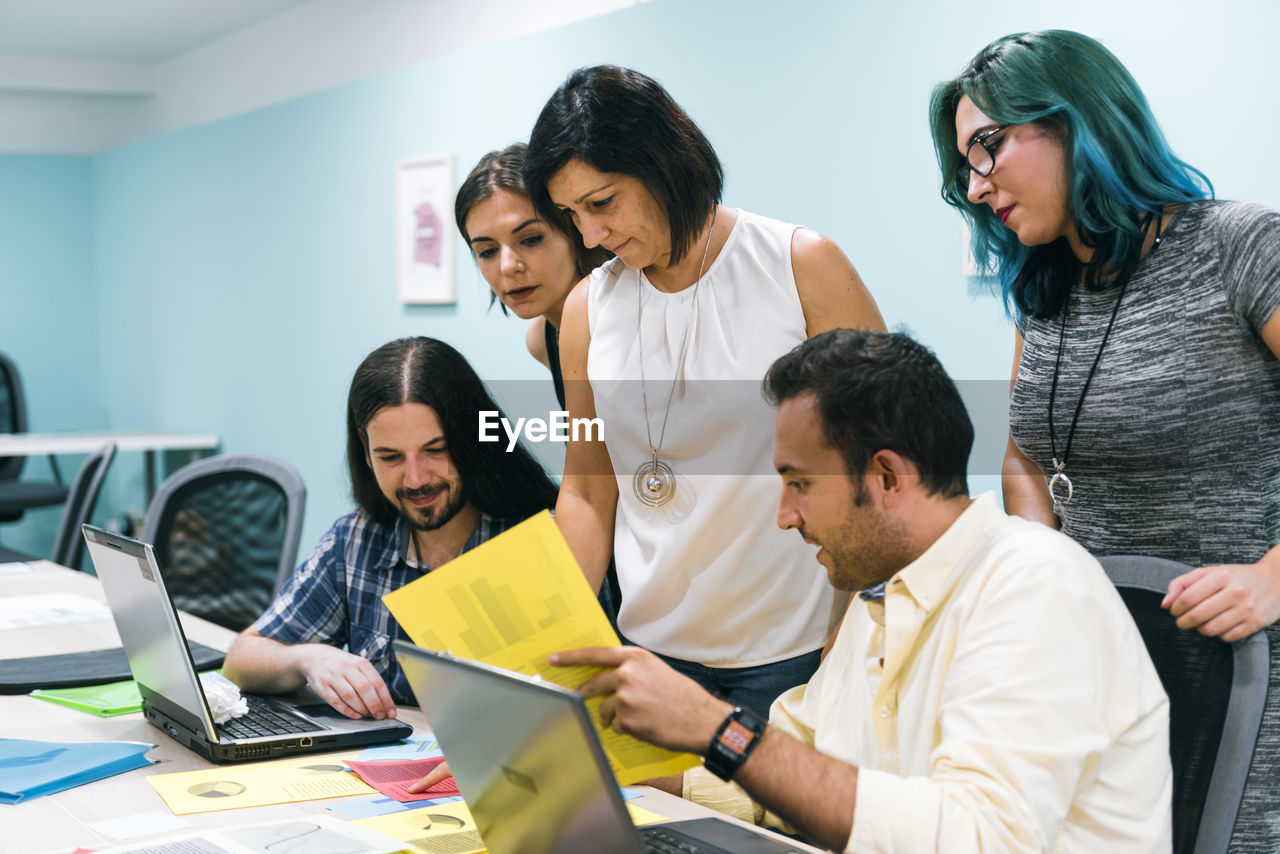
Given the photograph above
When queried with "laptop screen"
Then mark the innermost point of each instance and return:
(525, 755)
(149, 629)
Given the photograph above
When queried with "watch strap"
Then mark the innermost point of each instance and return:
(733, 742)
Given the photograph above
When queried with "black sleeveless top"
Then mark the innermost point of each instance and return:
(551, 336)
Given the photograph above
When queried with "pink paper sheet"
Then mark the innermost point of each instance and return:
(394, 778)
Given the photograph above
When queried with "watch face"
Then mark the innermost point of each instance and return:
(736, 737)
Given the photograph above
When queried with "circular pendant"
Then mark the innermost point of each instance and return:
(654, 482)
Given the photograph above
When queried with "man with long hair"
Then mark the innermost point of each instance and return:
(426, 491)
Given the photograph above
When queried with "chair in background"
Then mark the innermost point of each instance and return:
(226, 534)
(17, 496)
(1217, 693)
(68, 543)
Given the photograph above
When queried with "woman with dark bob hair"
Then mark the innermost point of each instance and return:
(1145, 411)
(667, 344)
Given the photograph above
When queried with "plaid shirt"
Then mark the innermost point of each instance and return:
(335, 596)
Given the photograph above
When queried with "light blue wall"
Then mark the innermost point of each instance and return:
(242, 269)
(48, 310)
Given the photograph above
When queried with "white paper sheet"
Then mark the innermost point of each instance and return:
(50, 609)
(139, 824)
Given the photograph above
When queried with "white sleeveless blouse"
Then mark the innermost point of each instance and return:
(708, 577)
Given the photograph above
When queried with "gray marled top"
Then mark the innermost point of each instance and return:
(1177, 450)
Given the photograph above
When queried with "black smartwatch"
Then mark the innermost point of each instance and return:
(733, 742)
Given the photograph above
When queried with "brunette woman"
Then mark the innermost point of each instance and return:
(530, 264)
(667, 344)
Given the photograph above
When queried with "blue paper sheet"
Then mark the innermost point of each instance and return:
(413, 747)
(381, 805)
(29, 769)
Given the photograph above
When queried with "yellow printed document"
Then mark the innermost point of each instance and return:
(443, 827)
(281, 781)
(513, 601)
(450, 827)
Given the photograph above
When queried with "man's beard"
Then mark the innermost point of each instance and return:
(436, 515)
(866, 550)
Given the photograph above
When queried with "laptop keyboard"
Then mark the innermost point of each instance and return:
(263, 719)
(660, 840)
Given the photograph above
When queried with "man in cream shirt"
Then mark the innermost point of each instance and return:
(987, 690)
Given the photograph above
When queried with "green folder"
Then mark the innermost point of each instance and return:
(114, 698)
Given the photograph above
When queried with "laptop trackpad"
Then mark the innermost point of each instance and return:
(309, 703)
(730, 837)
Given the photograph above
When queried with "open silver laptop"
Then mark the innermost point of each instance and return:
(532, 770)
(172, 696)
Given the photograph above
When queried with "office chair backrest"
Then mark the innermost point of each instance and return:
(1217, 693)
(13, 414)
(68, 543)
(16, 497)
(226, 533)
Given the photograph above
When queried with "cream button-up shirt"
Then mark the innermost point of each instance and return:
(999, 699)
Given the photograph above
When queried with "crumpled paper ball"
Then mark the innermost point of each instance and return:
(224, 697)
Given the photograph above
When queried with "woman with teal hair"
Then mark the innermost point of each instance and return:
(1145, 408)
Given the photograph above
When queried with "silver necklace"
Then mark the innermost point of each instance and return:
(654, 482)
(1061, 489)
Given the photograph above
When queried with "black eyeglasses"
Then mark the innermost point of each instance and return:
(980, 156)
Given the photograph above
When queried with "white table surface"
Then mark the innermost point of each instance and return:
(86, 442)
(59, 822)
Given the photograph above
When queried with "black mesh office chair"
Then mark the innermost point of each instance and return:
(18, 496)
(68, 542)
(1217, 693)
(226, 534)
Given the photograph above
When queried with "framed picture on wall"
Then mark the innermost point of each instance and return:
(424, 241)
